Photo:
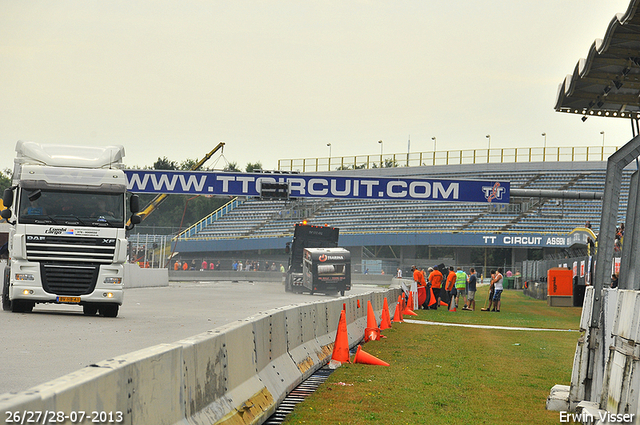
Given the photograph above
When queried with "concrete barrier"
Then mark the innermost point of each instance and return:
(136, 277)
(270, 276)
(234, 374)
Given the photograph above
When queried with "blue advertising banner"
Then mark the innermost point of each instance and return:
(317, 186)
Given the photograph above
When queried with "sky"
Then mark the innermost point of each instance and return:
(282, 79)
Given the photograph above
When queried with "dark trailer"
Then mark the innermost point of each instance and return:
(327, 270)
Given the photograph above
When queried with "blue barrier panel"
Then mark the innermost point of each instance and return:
(317, 186)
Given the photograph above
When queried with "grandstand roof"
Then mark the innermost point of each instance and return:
(607, 82)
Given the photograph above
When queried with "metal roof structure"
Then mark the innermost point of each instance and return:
(607, 82)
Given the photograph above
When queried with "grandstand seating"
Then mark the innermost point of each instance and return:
(256, 218)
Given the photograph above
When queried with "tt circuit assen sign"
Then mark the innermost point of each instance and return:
(317, 186)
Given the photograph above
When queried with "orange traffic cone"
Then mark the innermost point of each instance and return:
(397, 316)
(407, 310)
(443, 304)
(341, 346)
(385, 320)
(452, 306)
(432, 300)
(366, 358)
(372, 331)
(358, 303)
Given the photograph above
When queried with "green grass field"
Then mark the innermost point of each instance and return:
(454, 375)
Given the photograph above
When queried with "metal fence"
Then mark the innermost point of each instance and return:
(455, 157)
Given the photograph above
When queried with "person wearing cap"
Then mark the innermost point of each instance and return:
(435, 278)
(461, 284)
(418, 280)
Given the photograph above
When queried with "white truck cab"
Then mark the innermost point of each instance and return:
(67, 242)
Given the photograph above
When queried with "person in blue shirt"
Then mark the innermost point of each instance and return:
(471, 291)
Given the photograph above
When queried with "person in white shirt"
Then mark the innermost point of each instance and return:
(498, 290)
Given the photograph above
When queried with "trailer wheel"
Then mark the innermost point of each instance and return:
(109, 310)
(6, 302)
(89, 309)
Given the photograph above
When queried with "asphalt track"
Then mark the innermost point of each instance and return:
(55, 340)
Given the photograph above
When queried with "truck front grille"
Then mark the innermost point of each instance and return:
(70, 249)
(69, 279)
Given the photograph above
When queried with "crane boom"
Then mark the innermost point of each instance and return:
(158, 199)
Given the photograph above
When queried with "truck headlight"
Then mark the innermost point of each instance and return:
(114, 280)
(24, 276)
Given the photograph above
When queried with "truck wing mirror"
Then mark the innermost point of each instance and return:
(134, 204)
(135, 219)
(7, 197)
(6, 214)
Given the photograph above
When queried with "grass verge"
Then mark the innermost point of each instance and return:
(453, 375)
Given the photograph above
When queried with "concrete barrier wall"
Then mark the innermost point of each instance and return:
(237, 373)
(230, 275)
(136, 277)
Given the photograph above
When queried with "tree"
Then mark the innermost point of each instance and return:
(5, 179)
(389, 163)
(253, 167)
(164, 164)
(232, 166)
(188, 164)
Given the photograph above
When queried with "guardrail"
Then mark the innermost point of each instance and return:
(195, 228)
(237, 373)
(455, 157)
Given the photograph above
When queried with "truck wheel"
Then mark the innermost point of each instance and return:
(6, 302)
(109, 310)
(18, 306)
(287, 285)
(89, 309)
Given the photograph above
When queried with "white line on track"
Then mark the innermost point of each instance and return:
(507, 328)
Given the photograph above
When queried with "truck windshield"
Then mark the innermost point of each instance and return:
(71, 208)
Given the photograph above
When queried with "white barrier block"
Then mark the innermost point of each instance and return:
(205, 370)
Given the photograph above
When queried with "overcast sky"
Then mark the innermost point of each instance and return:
(281, 79)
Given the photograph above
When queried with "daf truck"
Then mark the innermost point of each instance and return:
(310, 236)
(67, 241)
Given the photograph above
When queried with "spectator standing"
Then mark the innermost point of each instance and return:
(461, 284)
(418, 280)
(211, 266)
(399, 273)
(498, 290)
(435, 279)
(204, 265)
(451, 283)
(491, 291)
(471, 291)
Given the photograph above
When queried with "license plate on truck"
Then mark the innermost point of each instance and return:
(68, 300)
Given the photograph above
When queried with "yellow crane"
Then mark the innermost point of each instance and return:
(161, 197)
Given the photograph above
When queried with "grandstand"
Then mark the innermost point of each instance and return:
(256, 224)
